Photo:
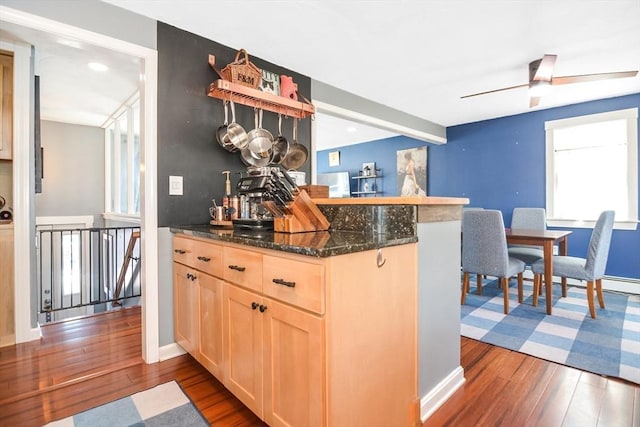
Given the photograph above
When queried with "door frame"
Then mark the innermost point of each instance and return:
(23, 157)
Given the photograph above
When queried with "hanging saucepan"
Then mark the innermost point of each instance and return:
(250, 159)
(236, 133)
(280, 144)
(260, 140)
(297, 155)
(221, 133)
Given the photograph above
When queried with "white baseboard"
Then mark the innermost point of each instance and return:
(440, 393)
(36, 333)
(170, 351)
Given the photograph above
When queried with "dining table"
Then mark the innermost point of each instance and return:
(547, 239)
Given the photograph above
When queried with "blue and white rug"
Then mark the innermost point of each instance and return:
(162, 406)
(608, 345)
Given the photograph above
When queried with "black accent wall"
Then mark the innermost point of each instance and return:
(188, 119)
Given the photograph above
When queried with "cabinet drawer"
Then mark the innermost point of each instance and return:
(203, 256)
(296, 282)
(183, 250)
(243, 268)
(207, 257)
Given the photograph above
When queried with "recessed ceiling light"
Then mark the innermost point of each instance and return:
(96, 66)
(352, 129)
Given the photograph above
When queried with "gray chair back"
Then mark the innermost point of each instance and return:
(484, 243)
(529, 218)
(598, 250)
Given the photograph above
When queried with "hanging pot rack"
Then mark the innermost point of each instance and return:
(228, 91)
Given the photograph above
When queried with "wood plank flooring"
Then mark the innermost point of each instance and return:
(83, 363)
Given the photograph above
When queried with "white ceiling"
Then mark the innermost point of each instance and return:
(417, 56)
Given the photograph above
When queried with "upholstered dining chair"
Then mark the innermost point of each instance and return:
(530, 219)
(591, 269)
(484, 251)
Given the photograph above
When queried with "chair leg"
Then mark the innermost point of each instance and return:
(505, 291)
(520, 288)
(465, 287)
(599, 291)
(564, 287)
(592, 308)
(479, 282)
(536, 289)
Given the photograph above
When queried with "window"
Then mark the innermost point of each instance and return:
(591, 166)
(122, 139)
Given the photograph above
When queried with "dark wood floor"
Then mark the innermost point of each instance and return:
(83, 363)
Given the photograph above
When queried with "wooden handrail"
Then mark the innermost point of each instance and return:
(125, 265)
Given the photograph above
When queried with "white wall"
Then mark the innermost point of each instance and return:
(73, 163)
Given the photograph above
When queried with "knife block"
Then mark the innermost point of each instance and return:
(301, 215)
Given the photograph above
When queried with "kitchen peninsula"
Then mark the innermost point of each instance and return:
(358, 325)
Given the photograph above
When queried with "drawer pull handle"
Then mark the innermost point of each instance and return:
(263, 308)
(191, 277)
(180, 251)
(284, 282)
(237, 268)
(204, 258)
(254, 305)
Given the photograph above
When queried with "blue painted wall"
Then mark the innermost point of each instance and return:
(498, 164)
(382, 152)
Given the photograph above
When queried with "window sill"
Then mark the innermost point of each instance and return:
(111, 216)
(573, 223)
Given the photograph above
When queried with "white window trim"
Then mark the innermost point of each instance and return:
(629, 114)
(114, 208)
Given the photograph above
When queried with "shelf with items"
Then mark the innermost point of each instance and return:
(239, 94)
(368, 184)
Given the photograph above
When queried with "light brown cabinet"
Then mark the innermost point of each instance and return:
(7, 299)
(313, 341)
(6, 105)
(274, 356)
(185, 298)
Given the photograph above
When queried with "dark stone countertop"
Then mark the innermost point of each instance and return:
(316, 244)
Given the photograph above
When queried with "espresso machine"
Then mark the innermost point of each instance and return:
(262, 184)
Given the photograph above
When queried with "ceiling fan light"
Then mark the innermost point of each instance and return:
(539, 88)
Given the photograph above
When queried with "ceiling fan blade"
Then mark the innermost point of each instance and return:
(565, 80)
(542, 69)
(495, 90)
(534, 101)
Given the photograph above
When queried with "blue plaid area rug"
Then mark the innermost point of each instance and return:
(162, 406)
(608, 345)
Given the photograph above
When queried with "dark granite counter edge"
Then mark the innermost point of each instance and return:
(375, 242)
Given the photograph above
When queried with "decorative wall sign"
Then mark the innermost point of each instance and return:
(270, 82)
(334, 158)
(412, 171)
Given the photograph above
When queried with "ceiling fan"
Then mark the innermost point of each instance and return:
(541, 78)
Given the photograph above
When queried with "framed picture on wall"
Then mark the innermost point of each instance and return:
(412, 171)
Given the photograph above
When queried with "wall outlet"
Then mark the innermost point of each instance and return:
(175, 185)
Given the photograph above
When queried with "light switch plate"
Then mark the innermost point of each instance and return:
(175, 185)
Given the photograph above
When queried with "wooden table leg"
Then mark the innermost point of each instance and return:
(563, 251)
(548, 273)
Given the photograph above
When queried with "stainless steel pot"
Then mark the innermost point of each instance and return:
(221, 134)
(260, 140)
(236, 133)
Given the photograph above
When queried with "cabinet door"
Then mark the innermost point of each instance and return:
(210, 337)
(6, 106)
(7, 299)
(242, 344)
(294, 366)
(185, 296)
